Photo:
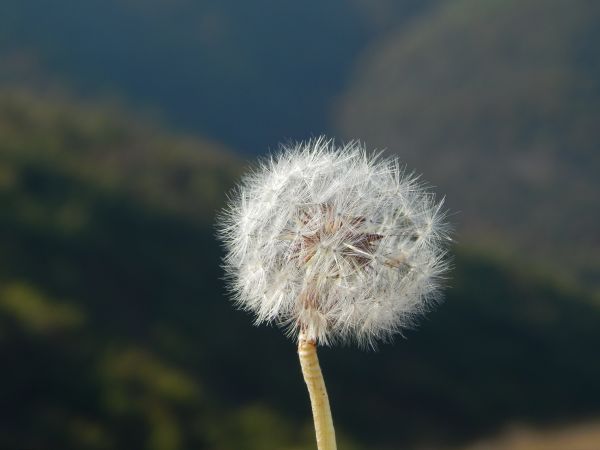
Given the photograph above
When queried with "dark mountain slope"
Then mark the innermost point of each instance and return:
(246, 73)
(498, 103)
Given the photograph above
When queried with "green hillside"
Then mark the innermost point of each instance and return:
(497, 103)
(115, 331)
(108, 280)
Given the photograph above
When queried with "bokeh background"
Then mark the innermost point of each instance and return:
(123, 123)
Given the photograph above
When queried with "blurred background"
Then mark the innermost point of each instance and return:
(123, 123)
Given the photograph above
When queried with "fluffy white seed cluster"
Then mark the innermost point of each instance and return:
(334, 243)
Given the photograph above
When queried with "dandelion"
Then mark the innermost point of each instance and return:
(334, 245)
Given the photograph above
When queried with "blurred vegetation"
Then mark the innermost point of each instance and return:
(115, 331)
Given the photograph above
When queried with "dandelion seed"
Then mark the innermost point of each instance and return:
(334, 245)
(319, 233)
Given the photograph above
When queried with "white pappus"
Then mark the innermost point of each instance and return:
(334, 243)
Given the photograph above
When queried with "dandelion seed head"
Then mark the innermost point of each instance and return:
(334, 243)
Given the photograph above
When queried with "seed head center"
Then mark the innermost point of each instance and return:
(326, 230)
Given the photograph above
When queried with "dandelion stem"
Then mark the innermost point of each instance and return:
(307, 351)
